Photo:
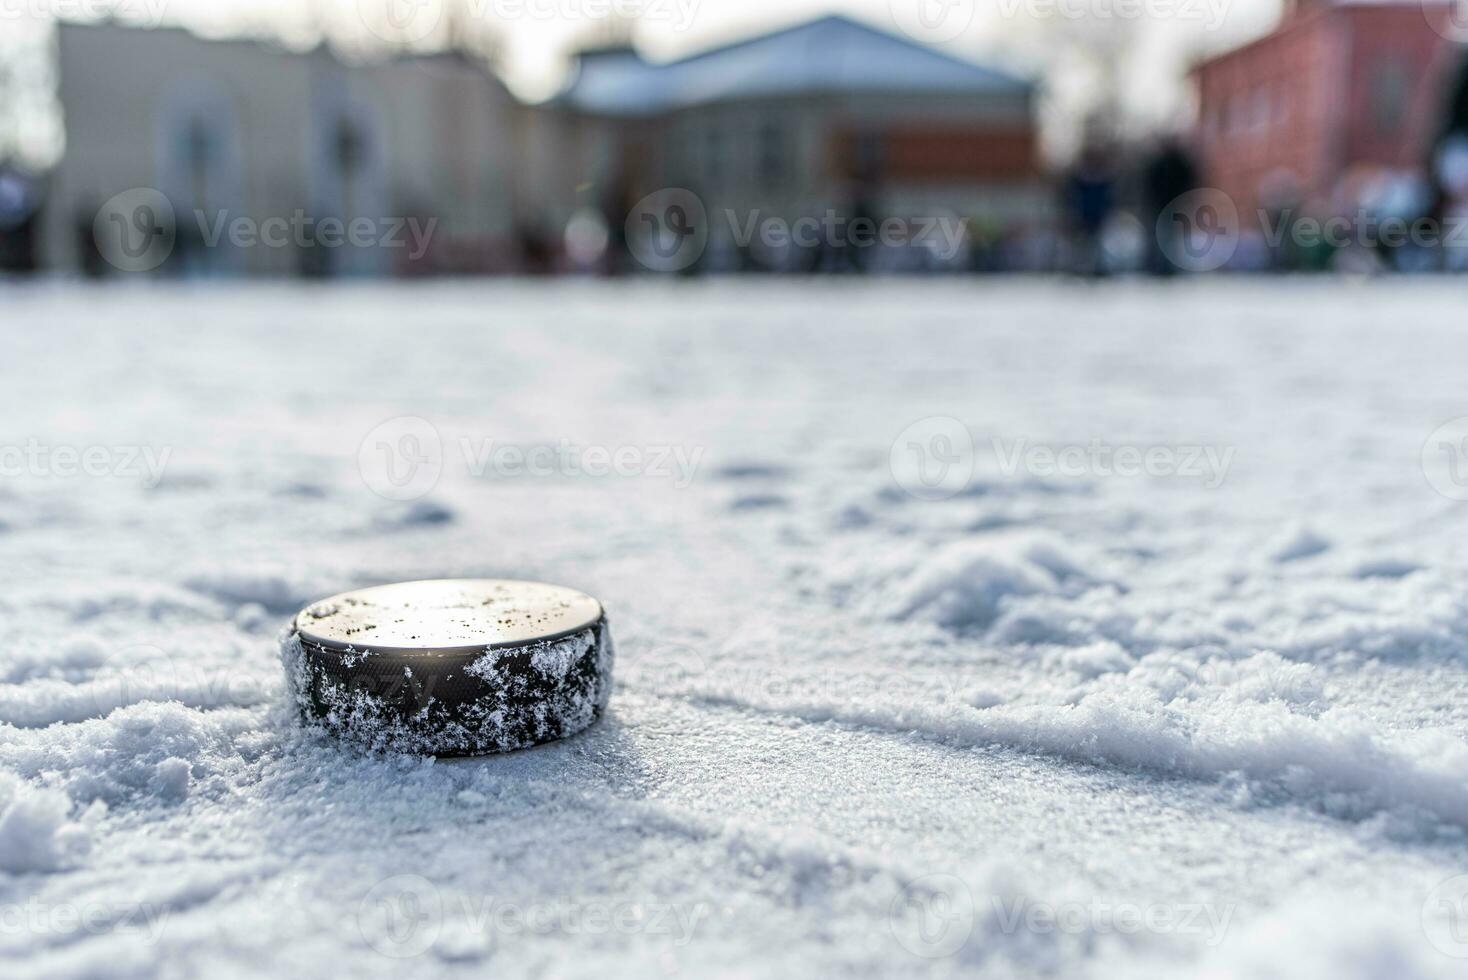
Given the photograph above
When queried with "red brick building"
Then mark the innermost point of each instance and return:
(1339, 92)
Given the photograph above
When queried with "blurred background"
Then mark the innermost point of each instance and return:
(380, 138)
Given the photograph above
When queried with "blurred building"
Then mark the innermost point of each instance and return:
(244, 128)
(827, 115)
(1341, 99)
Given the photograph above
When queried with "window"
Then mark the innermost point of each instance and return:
(1391, 86)
(714, 154)
(1235, 112)
(774, 154)
(1259, 110)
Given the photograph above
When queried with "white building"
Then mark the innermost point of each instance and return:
(253, 130)
(829, 114)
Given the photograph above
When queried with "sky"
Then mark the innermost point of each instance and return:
(1080, 49)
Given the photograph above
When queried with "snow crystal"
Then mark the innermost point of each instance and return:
(1300, 542)
(36, 833)
(965, 585)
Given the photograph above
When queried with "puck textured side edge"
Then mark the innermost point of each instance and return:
(494, 700)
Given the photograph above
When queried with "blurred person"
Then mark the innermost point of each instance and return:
(92, 264)
(1090, 196)
(1399, 200)
(1280, 198)
(1168, 174)
(1450, 170)
(837, 253)
(20, 208)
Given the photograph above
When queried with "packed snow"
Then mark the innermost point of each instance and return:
(1032, 629)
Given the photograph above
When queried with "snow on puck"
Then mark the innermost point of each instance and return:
(451, 667)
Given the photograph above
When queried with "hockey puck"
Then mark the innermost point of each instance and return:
(451, 667)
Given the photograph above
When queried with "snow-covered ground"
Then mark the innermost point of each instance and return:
(1071, 719)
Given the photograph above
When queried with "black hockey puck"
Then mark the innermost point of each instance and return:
(451, 667)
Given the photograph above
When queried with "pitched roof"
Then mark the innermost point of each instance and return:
(831, 55)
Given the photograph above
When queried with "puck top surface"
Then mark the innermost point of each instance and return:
(448, 615)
